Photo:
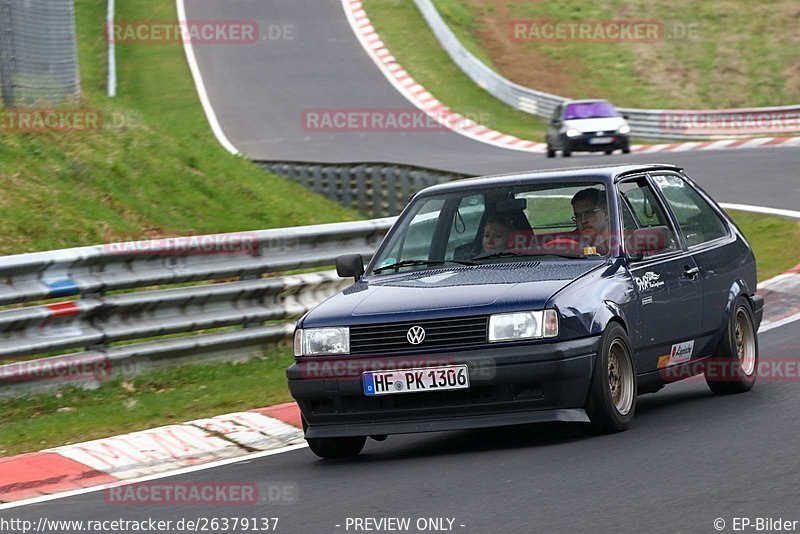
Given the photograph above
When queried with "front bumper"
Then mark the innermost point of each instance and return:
(509, 384)
(581, 143)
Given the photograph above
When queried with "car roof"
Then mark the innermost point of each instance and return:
(602, 173)
(585, 101)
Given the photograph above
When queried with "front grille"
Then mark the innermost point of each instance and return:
(439, 333)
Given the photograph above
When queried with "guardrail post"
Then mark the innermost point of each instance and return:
(317, 172)
(391, 190)
(377, 179)
(346, 175)
(361, 188)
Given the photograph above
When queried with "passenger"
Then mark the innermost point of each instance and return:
(495, 235)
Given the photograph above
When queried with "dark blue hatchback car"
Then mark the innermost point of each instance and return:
(543, 296)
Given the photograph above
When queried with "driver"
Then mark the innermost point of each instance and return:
(591, 217)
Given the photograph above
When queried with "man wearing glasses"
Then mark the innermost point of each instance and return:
(591, 218)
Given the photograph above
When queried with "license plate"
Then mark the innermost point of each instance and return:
(600, 140)
(414, 380)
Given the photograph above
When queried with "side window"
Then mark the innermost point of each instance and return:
(642, 205)
(697, 219)
(414, 242)
(465, 225)
(556, 114)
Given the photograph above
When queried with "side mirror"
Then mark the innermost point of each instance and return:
(638, 242)
(350, 265)
(555, 122)
(625, 116)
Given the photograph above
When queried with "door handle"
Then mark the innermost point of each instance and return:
(691, 272)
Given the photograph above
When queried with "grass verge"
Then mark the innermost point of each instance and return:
(157, 398)
(773, 240)
(153, 167)
(714, 55)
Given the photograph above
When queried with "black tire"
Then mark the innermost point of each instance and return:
(612, 411)
(566, 153)
(550, 152)
(626, 150)
(734, 363)
(609, 152)
(335, 448)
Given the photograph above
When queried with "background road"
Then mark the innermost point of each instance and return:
(260, 92)
(689, 458)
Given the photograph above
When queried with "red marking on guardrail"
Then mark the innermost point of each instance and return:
(64, 309)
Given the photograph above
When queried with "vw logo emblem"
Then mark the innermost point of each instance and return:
(415, 335)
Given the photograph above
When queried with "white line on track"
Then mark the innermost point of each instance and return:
(211, 116)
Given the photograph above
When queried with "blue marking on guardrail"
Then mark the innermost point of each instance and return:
(63, 287)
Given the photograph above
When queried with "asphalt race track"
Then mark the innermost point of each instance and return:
(259, 93)
(689, 458)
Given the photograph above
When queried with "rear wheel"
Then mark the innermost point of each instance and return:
(609, 152)
(550, 152)
(335, 448)
(612, 394)
(626, 150)
(734, 364)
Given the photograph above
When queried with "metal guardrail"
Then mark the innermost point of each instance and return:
(374, 189)
(645, 123)
(116, 330)
(38, 55)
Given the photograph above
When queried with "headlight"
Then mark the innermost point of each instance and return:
(523, 325)
(624, 129)
(572, 132)
(321, 341)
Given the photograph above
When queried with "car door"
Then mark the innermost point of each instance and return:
(667, 287)
(713, 246)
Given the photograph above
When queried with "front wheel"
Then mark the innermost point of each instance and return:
(733, 366)
(335, 448)
(611, 402)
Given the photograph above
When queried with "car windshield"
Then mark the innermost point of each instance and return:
(589, 110)
(544, 221)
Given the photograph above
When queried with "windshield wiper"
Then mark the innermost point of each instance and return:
(510, 254)
(413, 263)
(502, 254)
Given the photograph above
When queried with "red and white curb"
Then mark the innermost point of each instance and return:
(781, 292)
(425, 101)
(149, 452)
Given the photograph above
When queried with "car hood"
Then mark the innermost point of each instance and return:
(605, 124)
(440, 293)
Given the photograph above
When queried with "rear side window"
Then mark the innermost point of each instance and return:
(642, 209)
(697, 219)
